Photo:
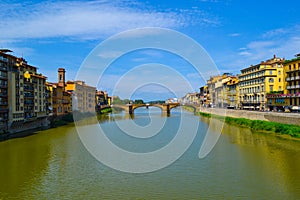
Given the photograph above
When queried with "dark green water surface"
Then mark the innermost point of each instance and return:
(54, 164)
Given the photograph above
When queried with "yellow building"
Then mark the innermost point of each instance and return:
(255, 82)
(84, 95)
(212, 96)
(49, 98)
(232, 90)
(59, 101)
(290, 97)
(218, 92)
(292, 89)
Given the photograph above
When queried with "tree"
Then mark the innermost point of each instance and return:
(138, 101)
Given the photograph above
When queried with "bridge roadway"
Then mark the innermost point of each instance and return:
(166, 107)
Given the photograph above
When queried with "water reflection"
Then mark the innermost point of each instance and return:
(54, 165)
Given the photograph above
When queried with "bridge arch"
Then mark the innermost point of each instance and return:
(129, 108)
(194, 107)
(147, 105)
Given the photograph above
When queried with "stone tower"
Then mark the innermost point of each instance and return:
(61, 77)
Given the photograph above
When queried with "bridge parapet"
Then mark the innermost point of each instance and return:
(129, 108)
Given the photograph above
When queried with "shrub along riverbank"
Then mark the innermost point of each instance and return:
(259, 125)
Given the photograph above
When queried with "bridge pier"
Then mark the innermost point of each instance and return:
(166, 108)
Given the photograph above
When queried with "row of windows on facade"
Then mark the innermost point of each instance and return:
(29, 101)
(261, 81)
(253, 98)
(294, 66)
(257, 89)
(36, 108)
(264, 66)
(41, 89)
(251, 76)
(29, 94)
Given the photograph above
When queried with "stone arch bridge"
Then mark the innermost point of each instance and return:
(166, 107)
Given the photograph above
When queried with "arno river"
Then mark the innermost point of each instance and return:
(54, 164)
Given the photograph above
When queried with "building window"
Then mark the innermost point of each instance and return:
(271, 80)
(271, 88)
(271, 72)
(279, 72)
(280, 89)
(279, 80)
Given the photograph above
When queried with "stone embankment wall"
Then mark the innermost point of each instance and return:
(285, 118)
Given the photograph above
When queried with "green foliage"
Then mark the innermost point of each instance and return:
(117, 100)
(105, 110)
(156, 102)
(275, 92)
(259, 125)
(205, 114)
(58, 122)
(138, 101)
(68, 118)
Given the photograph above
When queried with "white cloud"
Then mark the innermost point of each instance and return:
(80, 19)
(245, 53)
(110, 54)
(283, 42)
(234, 34)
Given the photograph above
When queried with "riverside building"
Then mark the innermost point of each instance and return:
(255, 82)
(23, 92)
(289, 99)
(84, 94)
(292, 89)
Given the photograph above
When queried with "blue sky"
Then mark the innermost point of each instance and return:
(236, 34)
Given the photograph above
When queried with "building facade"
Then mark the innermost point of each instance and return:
(289, 99)
(204, 97)
(232, 92)
(25, 92)
(84, 96)
(5, 61)
(190, 98)
(211, 84)
(255, 82)
(292, 89)
(59, 101)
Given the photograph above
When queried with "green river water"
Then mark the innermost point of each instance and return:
(54, 164)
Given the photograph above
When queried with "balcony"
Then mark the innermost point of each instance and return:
(3, 103)
(3, 119)
(3, 94)
(292, 70)
(3, 59)
(2, 68)
(3, 110)
(3, 85)
(28, 95)
(292, 78)
(3, 76)
(28, 102)
(65, 101)
(28, 88)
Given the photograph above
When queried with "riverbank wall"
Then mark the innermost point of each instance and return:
(284, 118)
